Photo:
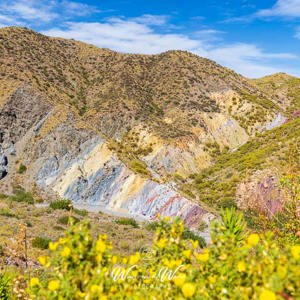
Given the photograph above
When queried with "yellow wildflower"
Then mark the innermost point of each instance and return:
(95, 289)
(223, 256)
(53, 246)
(179, 279)
(65, 252)
(203, 256)
(253, 239)
(295, 251)
(281, 271)
(62, 240)
(188, 290)
(167, 219)
(267, 295)
(34, 281)
(100, 246)
(99, 258)
(43, 260)
(195, 244)
(187, 253)
(53, 285)
(161, 242)
(241, 266)
(79, 294)
(212, 279)
(134, 258)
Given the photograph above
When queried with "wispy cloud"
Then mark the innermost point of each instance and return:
(282, 8)
(156, 20)
(208, 34)
(30, 11)
(136, 36)
(125, 36)
(297, 35)
(248, 59)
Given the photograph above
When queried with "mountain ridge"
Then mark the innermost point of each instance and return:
(167, 96)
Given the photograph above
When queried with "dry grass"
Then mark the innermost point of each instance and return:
(44, 222)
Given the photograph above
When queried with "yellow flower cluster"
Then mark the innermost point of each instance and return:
(253, 267)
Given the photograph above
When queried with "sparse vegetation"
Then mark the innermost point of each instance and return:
(22, 169)
(22, 196)
(139, 167)
(61, 204)
(128, 221)
(41, 242)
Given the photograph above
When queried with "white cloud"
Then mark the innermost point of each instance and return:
(156, 20)
(247, 59)
(282, 8)
(31, 11)
(208, 34)
(125, 36)
(133, 36)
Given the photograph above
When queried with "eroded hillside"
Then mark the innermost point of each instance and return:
(124, 131)
(174, 111)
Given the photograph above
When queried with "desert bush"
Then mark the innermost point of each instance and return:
(40, 242)
(190, 235)
(7, 213)
(65, 220)
(22, 169)
(139, 167)
(127, 221)
(81, 212)
(22, 196)
(61, 204)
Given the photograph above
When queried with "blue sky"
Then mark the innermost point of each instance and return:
(255, 38)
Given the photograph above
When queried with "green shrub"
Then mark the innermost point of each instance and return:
(61, 204)
(139, 167)
(6, 213)
(22, 169)
(152, 225)
(40, 242)
(4, 287)
(64, 220)
(190, 235)
(3, 196)
(22, 196)
(81, 212)
(202, 226)
(128, 221)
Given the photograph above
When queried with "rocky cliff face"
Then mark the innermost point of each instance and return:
(261, 192)
(68, 160)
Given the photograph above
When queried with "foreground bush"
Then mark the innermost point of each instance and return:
(237, 265)
(4, 287)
